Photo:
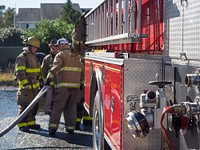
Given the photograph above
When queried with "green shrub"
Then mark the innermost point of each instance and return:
(10, 37)
(47, 30)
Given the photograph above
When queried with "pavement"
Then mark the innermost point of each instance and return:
(40, 139)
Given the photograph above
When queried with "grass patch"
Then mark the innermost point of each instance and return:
(6, 77)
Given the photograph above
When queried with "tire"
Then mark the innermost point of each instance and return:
(97, 125)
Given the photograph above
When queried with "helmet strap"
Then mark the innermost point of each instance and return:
(30, 49)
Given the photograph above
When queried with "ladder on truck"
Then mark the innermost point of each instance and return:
(114, 22)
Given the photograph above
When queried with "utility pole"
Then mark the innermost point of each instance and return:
(14, 17)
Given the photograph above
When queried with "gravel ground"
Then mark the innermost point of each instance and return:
(17, 140)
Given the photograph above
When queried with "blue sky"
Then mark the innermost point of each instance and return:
(36, 3)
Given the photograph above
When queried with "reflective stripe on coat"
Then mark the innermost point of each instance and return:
(68, 70)
(29, 74)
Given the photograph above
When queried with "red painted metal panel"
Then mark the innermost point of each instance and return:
(112, 104)
(87, 83)
(110, 90)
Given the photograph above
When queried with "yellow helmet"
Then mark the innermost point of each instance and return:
(33, 42)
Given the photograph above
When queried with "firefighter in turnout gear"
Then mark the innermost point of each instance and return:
(45, 68)
(83, 119)
(67, 68)
(48, 60)
(28, 74)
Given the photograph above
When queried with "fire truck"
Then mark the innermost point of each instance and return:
(142, 74)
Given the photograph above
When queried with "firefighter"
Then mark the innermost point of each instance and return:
(67, 68)
(83, 119)
(45, 68)
(79, 36)
(28, 74)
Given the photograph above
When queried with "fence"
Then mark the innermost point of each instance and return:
(8, 55)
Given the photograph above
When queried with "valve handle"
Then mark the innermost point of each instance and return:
(160, 84)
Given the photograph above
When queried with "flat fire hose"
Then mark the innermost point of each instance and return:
(26, 111)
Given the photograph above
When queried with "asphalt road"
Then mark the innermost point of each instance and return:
(37, 140)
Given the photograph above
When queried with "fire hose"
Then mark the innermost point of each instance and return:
(167, 109)
(26, 111)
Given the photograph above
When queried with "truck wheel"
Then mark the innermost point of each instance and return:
(97, 125)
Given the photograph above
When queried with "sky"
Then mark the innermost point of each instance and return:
(36, 3)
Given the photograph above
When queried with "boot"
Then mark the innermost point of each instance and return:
(35, 127)
(70, 129)
(24, 129)
(48, 112)
(87, 123)
(79, 126)
(52, 132)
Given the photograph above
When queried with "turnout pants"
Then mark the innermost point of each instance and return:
(48, 100)
(24, 98)
(64, 100)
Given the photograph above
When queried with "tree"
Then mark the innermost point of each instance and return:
(9, 17)
(2, 9)
(6, 17)
(10, 37)
(69, 14)
(47, 30)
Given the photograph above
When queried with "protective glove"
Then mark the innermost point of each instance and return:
(48, 81)
(82, 87)
(41, 83)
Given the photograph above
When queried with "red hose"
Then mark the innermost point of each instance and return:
(167, 109)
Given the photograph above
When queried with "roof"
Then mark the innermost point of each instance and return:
(50, 11)
(28, 14)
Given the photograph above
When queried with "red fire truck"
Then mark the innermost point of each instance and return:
(141, 74)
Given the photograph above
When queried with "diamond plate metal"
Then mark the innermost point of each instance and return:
(182, 28)
(137, 74)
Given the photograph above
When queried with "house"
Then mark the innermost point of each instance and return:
(28, 17)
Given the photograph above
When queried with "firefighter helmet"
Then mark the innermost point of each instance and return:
(32, 41)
